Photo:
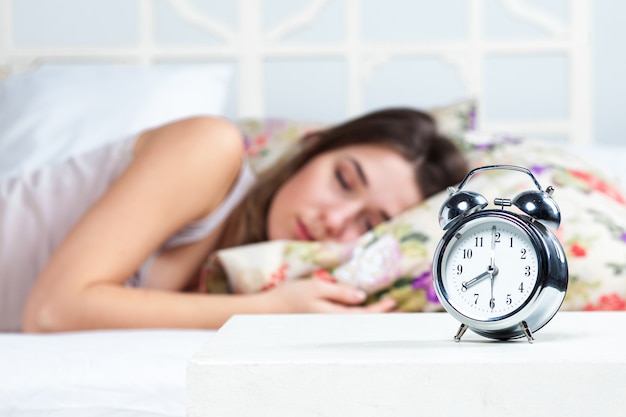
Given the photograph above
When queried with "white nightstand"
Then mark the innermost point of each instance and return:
(408, 365)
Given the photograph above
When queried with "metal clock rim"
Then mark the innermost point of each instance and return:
(500, 327)
(490, 214)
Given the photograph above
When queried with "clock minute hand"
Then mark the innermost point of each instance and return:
(493, 247)
(492, 267)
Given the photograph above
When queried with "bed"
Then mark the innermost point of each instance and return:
(250, 62)
(138, 373)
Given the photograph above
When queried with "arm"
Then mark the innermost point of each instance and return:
(180, 173)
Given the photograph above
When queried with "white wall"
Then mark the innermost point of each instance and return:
(548, 68)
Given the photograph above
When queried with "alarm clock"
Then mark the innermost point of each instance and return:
(501, 272)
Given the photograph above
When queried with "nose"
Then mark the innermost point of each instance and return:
(341, 221)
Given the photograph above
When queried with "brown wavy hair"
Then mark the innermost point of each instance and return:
(437, 163)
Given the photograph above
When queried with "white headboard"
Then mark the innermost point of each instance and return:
(367, 57)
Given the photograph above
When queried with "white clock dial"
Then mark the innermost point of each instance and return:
(502, 274)
(490, 269)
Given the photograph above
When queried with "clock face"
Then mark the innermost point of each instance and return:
(489, 268)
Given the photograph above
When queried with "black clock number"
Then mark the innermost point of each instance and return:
(523, 251)
(527, 271)
(467, 254)
(521, 287)
(459, 269)
(479, 242)
(509, 300)
(497, 239)
(476, 298)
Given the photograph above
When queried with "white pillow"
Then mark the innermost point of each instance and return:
(55, 111)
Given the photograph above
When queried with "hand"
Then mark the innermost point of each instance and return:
(317, 296)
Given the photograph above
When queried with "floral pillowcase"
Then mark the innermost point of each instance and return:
(593, 210)
(395, 259)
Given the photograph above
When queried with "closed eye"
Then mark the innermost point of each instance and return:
(363, 180)
(342, 180)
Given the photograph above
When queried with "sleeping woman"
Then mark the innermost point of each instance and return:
(115, 238)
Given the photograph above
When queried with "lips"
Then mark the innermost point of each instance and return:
(302, 232)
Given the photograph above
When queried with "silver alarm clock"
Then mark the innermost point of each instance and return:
(501, 273)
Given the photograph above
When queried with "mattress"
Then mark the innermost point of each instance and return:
(139, 373)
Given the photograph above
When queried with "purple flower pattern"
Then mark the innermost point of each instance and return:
(424, 281)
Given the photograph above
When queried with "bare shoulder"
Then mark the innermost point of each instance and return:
(194, 134)
(203, 154)
(180, 172)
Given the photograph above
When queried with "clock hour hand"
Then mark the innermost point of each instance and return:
(490, 272)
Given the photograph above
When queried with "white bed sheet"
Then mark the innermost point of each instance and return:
(139, 373)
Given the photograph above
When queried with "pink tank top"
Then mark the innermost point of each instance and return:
(37, 210)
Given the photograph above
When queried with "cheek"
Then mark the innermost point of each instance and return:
(274, 215)
(300, 196)
(301, 189)
(282, 209)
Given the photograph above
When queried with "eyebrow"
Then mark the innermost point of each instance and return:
(361, 174)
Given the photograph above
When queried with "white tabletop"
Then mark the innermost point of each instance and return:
(394, 364)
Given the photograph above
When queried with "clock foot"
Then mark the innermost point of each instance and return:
(527, 332)
(460, 332)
